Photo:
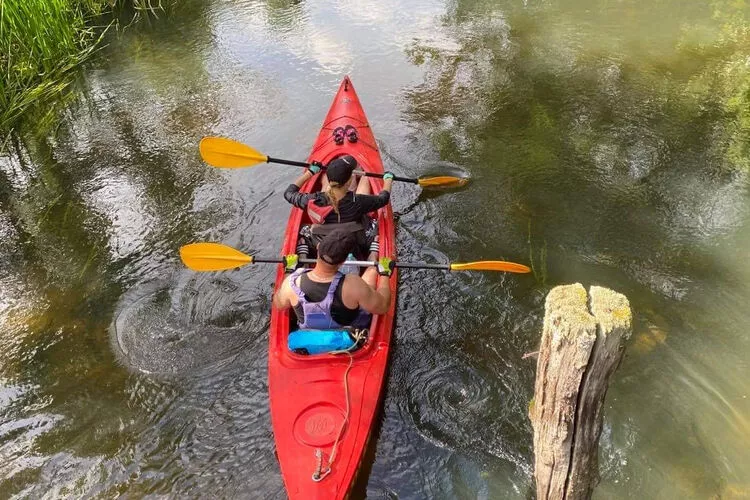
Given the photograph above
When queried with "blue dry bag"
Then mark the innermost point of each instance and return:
(319, 341)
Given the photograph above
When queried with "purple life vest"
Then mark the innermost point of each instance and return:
(318, 314)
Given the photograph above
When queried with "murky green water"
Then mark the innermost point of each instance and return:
(607, 141)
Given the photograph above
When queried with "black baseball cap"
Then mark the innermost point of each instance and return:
(337, 246)
(340, 170)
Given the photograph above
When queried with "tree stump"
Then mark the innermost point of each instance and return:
(582, 345)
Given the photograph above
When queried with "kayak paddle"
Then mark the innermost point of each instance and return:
(227, 153)
(218, 257)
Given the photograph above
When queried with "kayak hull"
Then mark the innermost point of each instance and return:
(324, 400)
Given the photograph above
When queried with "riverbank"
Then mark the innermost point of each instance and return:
(42, 44)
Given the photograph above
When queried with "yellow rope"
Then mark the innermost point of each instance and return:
(320, 474)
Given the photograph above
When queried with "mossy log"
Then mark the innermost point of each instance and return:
(582, 345)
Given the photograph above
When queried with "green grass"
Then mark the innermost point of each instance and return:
(42, 43)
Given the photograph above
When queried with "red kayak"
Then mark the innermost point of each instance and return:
(323, 406)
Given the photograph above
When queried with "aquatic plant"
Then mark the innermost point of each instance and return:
(540, 270)
(42, 42)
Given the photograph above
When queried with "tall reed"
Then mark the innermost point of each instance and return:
(42, 42)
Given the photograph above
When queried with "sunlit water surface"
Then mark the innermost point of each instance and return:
(605, 145)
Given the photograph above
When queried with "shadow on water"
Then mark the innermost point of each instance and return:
(433, 168)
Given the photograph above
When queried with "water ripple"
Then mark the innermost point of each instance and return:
(160, 331)
(448, 398)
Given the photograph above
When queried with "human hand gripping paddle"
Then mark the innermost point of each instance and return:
(227, 153)
(218, 257)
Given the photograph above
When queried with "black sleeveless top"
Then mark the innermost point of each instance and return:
(316, 292)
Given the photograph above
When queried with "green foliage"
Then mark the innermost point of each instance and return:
(571, 88)
(42, 42)
(540, 270)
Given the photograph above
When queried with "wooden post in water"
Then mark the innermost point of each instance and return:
(582, 345)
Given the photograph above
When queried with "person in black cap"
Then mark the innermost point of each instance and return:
(338, 207)
(324, 298)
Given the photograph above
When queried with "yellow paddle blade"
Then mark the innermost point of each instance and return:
(491, 265)
(212, 257)
(442, 181)
(227, 153)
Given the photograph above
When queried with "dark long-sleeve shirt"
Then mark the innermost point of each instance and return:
(351, 207)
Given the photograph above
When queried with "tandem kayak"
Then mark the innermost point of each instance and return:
(324, 405)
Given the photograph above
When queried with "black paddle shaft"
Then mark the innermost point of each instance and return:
(360, 172)
(402, 265)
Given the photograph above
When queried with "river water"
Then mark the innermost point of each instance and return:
(606, 142)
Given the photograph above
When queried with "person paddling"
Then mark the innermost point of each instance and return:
(336, 207)
(324, 298)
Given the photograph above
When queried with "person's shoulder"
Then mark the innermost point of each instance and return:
(351, 278)
(353, 281)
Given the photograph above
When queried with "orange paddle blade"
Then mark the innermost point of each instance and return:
(442, 181)
(212, 257)
(491, 265)
(227, 153)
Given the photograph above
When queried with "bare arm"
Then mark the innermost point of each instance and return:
(363, 186)
(281, 297)
(303, 178)
(374, 301)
